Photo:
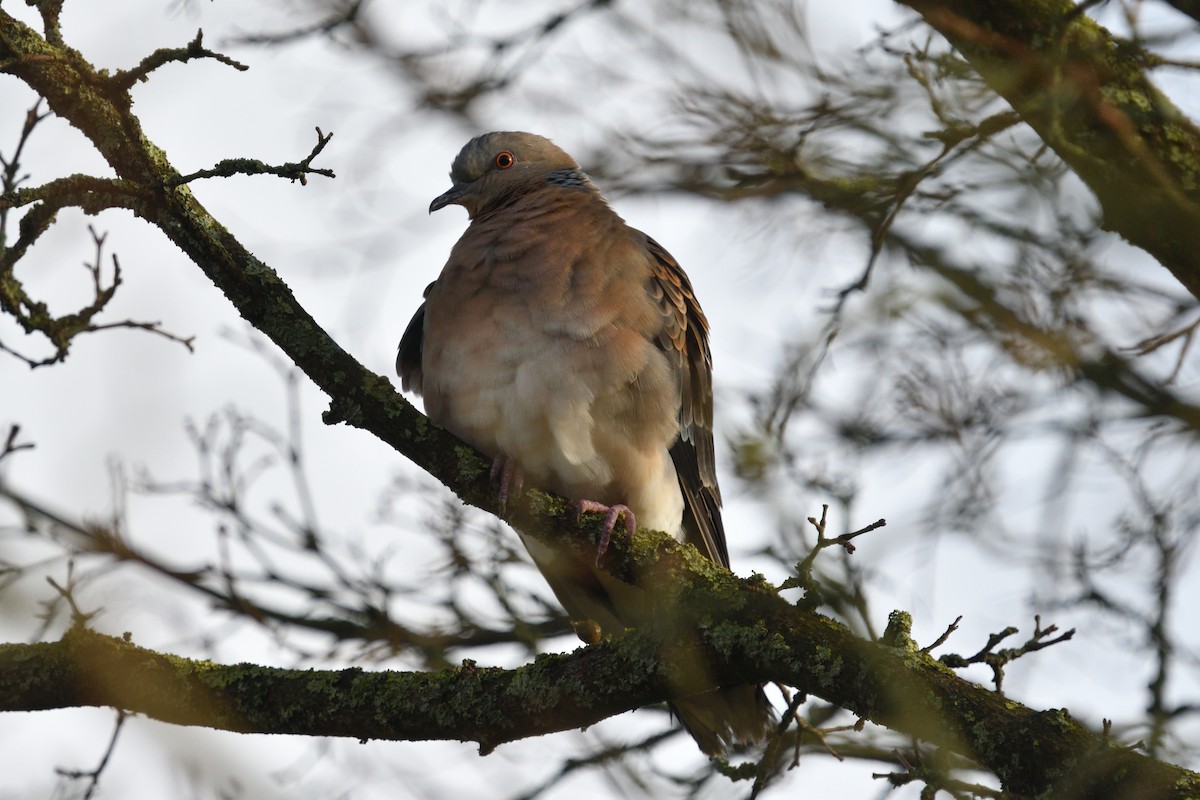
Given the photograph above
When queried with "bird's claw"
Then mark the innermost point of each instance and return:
(610, 521)
(511, 477)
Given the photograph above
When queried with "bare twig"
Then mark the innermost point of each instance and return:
(123, 80)
(935, 775)
(66, 593)
(997, 659)
(34, 315)
(804, 568)
(12, 166)
(10, 442)
(346, 15)
(945, 635)
(93, 775)
(1149, 345)
(954, 133)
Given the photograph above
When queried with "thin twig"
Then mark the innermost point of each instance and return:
(804, 568)
(337, 19)
(997, 659)
(123, 80)
(10, 442)
(951, 628)
(94, 774)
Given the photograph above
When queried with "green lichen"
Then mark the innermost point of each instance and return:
(1188, 786)
(898, 633)
(828, 664)
(468, 464)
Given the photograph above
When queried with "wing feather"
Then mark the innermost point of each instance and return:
(412, 345)
(684, 336)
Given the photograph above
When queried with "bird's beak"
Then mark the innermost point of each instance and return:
(455, 195)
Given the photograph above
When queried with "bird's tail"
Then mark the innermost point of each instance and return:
(739, 715)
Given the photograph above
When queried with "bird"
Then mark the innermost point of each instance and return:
(569, 347)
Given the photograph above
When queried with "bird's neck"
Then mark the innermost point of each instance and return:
(546, 204)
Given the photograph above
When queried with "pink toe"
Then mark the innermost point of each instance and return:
(611, 513)
(511, 477)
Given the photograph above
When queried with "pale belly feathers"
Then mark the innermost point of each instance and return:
(566, 399)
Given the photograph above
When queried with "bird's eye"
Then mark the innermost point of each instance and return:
(505, 159)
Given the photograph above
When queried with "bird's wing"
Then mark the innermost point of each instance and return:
(684, 338)
(408, 358)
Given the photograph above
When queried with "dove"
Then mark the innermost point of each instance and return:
(570, 348)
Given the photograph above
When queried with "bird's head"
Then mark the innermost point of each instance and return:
(493, 169)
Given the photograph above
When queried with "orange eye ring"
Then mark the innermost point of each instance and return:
(505, 159)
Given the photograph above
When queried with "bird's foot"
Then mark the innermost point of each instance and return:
(610, 521)
(511, 477)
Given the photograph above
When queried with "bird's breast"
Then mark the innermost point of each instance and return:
(553, 364)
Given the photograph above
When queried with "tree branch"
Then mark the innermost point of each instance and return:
(704, 627)
(1087, 95)
(293, 171)
(467, 703)
(124, 80)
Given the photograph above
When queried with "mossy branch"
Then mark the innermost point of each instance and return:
(466, 703)
(738, 629)
(293, 171)
(1087, 95)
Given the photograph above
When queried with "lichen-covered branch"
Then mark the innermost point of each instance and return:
(35, 316)
(1088, 96)
(50, 11)
(468, 703)
(293, 171)
(737, 629)
(85, 192)
(91, 195)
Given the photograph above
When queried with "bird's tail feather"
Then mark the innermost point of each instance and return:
(739, 715)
